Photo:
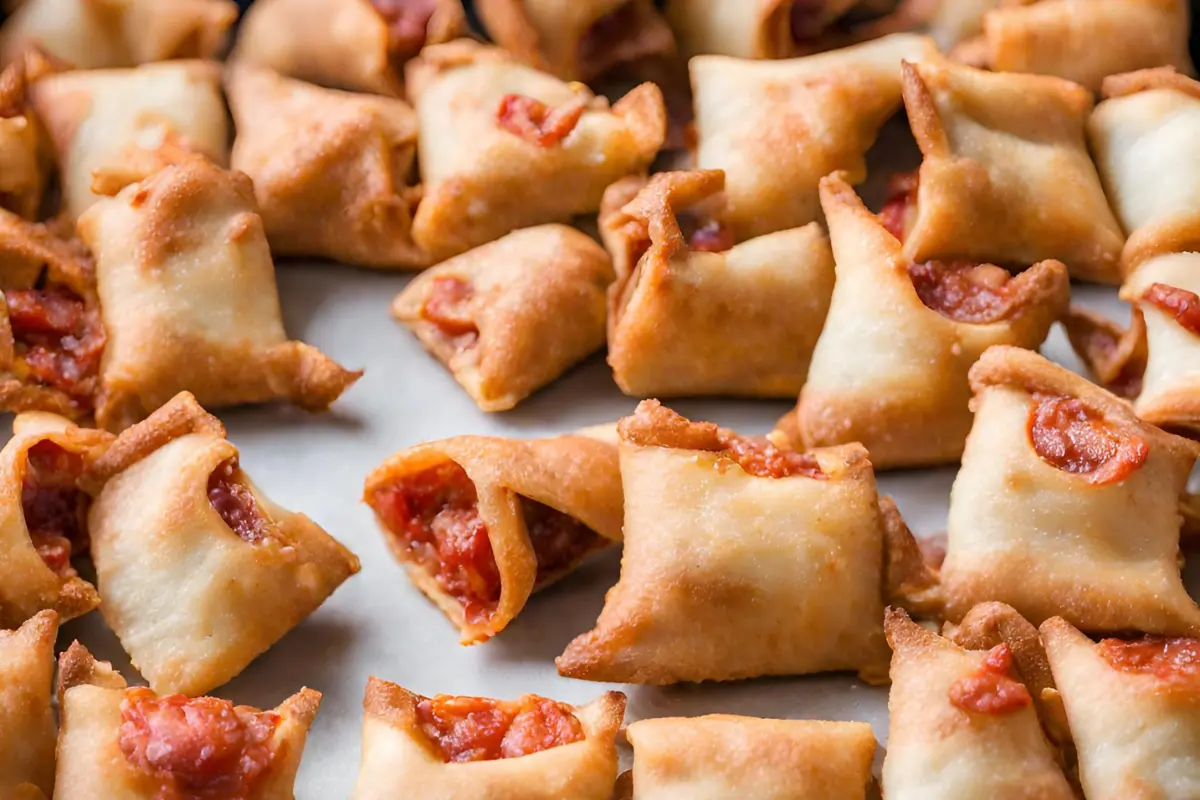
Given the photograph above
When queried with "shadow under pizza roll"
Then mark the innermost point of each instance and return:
(26, 719)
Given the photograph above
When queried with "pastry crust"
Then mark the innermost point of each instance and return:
(747, 28)
(576, 476)
(26, 719)
(483, 180)
(342, 44)
(742, 322)
(398, 759)
(511, 316)
(24, 157)
(92, 764)
(192, 601)
(998, 150)
(777, 127)
(1098, 548)
(188, 296)
(888, 370)
(721, 756)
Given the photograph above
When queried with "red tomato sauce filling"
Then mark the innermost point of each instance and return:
(962, 291)
(990, 689)
(58, 340)
(900, 209)
(1180, 303)
(1173, 660)
(759, 456)
(200, 749)
(1070, 435)
(407, 23)
(536, 122)
(448, 307)
(481, 729)
(232, 499)
(55, 510)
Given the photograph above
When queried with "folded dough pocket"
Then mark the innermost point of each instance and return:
(481, 523)
(24, 164)
(26, 719)
(754, 29)
(463, 748)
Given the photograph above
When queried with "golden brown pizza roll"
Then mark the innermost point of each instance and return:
(963, 723)
(1134, 707)
(578, 40)
(504, 146)
(188, 297)
(333, 172)
(481, 523)
(103, 34)
(1146, 137)
(890, 367)
(121, 743)
(698, 314)
(509, 317)
(1006, 176)
(200, 572)
(777, 127)
(112, 127)
(752, 28)
(464, 748)
(1066, 504)
(26, 719)
(24, 160)
(721, 756)
(356, 45)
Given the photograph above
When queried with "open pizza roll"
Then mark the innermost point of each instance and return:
(1006, 175)
(721, 756)
(1066, 504)
(189, 302)
(200, 572)
(26, 719)
(24, 160)
(356, 45)
(481, 523)
(121, 743)
(1134, 708)
(333, 172)
(752, 28)
(699, 315)
(509, 317)
(113, 127)
(777, 127)
(504, 146)
(578, 40)
(531, 748)
(890, 367)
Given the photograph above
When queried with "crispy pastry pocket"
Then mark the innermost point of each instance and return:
(199, 570)
(752, 28)
(509, 317)
(504, 146)
(481, 523)
(890, 367)
(24, 162)
(691, 313)
(26, 719)
(1066, 504)
(133, 744)
(464, 748)
(188, 296)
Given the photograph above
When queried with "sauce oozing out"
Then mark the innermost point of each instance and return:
(1175, 661)
(58, 340)
(200, 748)
(55, 510)
(407, 23)
(991, 689)
(1183, 305)
(900, 209)
(232, 499)
(1070, 435)
(759, 456)
(536, 122)
(962, 291)
(448, 307)
(481, 729)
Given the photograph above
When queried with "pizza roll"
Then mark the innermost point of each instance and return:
(1006, 175)
(333, 172)
(721, 756)
(721, 533)
(26, 719)
(1066, 504)
(356, 45)
(464, 748)
(24, 164)
(121, 743)
(112, 127)
(509, 317)
(188, 297)
(752, 28)
(200, 572)
(578, 40)
(1146, 137)
(504, 146)
(1134, 708)
(699, 315)
(777, 127)
(962, 723)
(102, 34)
(890, 367)
(481, 523)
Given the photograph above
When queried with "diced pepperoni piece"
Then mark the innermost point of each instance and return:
(481, 729)
(759, 456)
(55, 510)
(536, 122)
(990, 689)
(898, 212)
(1072, 436)
(58, 339)
(963, 291)
(232, 499)
(448, 307)
(559, 540)
(1180, 303)
(1175, 661)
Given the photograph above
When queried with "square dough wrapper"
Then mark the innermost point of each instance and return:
(26, 719)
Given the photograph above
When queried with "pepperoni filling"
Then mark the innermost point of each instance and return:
(199, 749)
(1174, 661)
(962, 291)
(58, 340)
(759, 456)
(481, 729)
(55, 510)
(1180, 303)
(705, 235)
(448, 307)
(559, 540)
(232, 499)
(1070, 435)
(899, 211)
(990, 689)
(407, 23)
(536, 122)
